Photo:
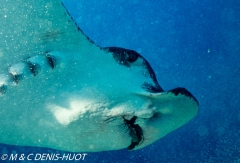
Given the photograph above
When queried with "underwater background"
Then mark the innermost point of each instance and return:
(189, 43)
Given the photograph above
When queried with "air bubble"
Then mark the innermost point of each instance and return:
(202, 130)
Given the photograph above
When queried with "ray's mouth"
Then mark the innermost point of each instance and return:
(135, 131)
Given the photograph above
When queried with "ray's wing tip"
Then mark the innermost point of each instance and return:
(183, 91)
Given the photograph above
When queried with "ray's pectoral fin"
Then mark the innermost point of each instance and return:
(176, 107)
(178, 102)
(164, 113)
(132, 59)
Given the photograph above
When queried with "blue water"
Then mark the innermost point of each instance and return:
(192, 44)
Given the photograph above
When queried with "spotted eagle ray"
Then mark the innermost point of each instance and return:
(59, 90)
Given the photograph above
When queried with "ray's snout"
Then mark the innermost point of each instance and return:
(172, 109)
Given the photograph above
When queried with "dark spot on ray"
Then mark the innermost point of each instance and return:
(136, 132)
(51, 60)
(183, 91)
(3, 89)
(152, 88)
(16, 77)
(33, 68)
(151, 72)
(123, 56)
